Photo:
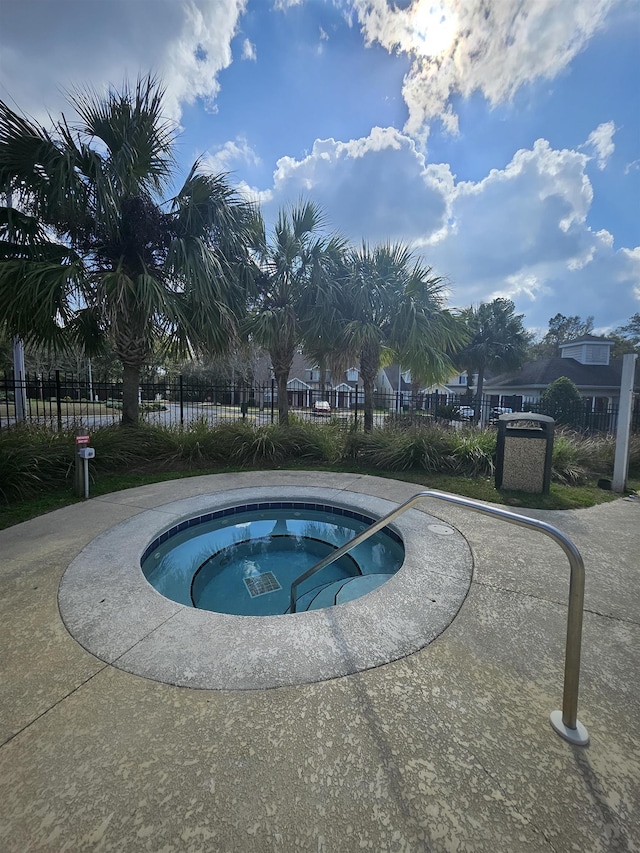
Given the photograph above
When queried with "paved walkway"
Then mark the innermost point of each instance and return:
(449, 749)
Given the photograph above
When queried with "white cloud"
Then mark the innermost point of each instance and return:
(631, 269)
(192, 61)
(462, 46)
(524, 284)
(520, 232)
(523, 232)
(249, 50)
(233, 153)
(49, 47)
(376, 187)
(601, 142)
(323, 38)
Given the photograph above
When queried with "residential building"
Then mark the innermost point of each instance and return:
(586, 361)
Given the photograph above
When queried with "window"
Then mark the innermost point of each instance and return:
(352, 374)
(597, 355)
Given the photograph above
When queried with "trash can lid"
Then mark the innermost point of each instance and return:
(527, 416)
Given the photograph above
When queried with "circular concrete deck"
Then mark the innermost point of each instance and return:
(110, 608)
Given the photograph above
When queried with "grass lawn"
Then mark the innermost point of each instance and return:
(69, 408)
(478, 488)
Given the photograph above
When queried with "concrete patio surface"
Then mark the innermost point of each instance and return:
(448, 749)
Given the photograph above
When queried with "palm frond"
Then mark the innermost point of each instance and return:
(131, 126)
(36, 298)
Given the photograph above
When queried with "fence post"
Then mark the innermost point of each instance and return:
(6, 398)
(58, 401)
(180, 389)
(355, 409)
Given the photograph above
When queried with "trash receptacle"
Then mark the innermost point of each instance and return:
(524, 452)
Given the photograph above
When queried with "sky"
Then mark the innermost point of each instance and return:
(499, 138)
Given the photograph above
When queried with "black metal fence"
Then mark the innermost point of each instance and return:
(61, 401)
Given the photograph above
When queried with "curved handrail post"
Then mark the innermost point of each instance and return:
(564, 722)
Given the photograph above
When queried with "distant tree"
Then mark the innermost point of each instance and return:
(561, 329)
(237, 367)
(627, 338)
(497, 342)
(561, 400)
(206, 371)
(394, 311)
(92, 250)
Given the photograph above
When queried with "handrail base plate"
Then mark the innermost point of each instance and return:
(578, 736)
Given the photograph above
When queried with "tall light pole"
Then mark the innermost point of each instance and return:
(19, 377)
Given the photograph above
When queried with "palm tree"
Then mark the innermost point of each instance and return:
(497, 341)
(299, 275)
(93, 252)
(393, 308)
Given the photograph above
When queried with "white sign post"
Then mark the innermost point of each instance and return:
(621, 460)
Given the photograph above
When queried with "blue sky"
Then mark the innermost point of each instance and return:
(502, 140)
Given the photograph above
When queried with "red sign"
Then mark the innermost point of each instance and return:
(82, 439)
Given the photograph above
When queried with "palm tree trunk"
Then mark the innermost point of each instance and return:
(131, 347)
(283, 399)
(369, 363)
(281, 360)
(479, 388)
(368, 403)
(130, 387)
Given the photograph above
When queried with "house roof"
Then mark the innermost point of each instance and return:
(544, 371)
(391, 373)
(301, 364)
(587, 339)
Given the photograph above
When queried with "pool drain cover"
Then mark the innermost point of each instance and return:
(262, 584)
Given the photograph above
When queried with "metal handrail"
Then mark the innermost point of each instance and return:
(565, 723)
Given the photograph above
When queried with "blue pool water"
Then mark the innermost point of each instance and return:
(242, 560)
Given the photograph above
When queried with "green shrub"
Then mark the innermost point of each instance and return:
(389, 451)
(424, 448)
(269, 445)
(121, 449)
(35, 459)
(199, 444)
(570, 461)
(474, 453)
(319, 442)
(562, 401)
(634, 456)
(448, 412)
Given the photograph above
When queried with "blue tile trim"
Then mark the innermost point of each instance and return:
(242, 508)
